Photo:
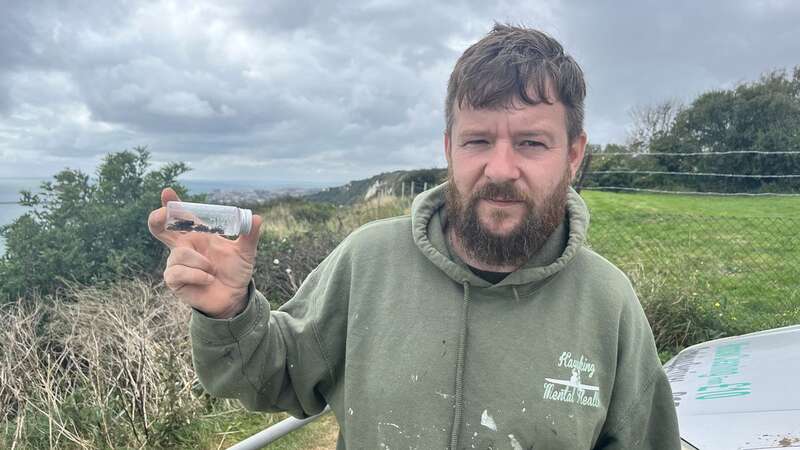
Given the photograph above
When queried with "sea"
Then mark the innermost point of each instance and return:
(10, 210)
(9, 196)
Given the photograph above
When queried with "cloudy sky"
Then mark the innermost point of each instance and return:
(292, 91)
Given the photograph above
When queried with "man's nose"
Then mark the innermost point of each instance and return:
(502, 164)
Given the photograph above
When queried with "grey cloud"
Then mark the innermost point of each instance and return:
(179, 96)
(283, 15)
(337, 89)
(639, 53)
(15, 48)
(5, 97)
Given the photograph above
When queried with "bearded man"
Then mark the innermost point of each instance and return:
(479, 321)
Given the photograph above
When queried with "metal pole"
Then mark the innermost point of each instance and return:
(275, 432)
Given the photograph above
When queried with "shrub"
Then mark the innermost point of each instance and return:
(283, 262)
(678, 319)
(313, 212)
(88, 232)
(298, 235)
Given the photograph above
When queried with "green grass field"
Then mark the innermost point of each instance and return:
(696, 205)
(736, 259)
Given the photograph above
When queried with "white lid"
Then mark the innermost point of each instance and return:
(247, 220)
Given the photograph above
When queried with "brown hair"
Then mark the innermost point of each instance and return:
(513, 63)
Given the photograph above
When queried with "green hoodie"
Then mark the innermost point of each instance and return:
(413, 350)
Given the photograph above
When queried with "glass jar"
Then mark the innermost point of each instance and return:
(218, 219)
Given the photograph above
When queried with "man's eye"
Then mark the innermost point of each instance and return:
(476, 143)
(531, 144)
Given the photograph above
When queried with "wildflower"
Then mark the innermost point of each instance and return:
(288, 270)
(716, 304)
(275, 261)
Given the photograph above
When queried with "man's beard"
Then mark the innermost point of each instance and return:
(516, 247)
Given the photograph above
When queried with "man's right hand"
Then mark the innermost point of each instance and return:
(207, 271)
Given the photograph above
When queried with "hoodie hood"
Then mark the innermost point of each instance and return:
(429, 219)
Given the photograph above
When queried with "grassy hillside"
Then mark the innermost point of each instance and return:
(395, 183)
(110, 366)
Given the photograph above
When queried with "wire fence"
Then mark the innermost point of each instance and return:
(749, 262)
(734, 172)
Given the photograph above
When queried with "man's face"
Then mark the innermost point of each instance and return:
(510, 169)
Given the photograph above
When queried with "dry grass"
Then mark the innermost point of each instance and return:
(377, 208)
(111, 368)
(100, 367)
(279, 221)
(327, 433)
(283, 220)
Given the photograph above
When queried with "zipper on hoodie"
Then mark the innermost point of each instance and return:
(459, 397)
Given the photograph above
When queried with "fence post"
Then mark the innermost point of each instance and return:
(425, 186)
(403, 190)
(412, 188)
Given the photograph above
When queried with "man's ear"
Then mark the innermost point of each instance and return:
(576, 151)
(447, 144)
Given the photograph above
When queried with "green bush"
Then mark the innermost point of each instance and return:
(313, 213)
(282, 263)
(678, 318)
(88, 231)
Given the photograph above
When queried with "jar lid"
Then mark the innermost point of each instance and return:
(246, 216)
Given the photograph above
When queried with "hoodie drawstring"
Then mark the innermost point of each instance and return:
(462, 344)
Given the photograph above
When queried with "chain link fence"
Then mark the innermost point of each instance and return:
(745, 270)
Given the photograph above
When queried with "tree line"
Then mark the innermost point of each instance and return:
(751, 129)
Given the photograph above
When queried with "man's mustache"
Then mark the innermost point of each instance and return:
(500, 191)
